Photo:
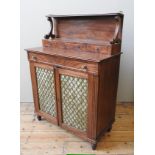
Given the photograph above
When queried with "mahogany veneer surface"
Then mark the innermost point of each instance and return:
(82, 55)
(79, 48)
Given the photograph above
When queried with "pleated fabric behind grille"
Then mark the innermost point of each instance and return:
(74, 92)
(46, 90)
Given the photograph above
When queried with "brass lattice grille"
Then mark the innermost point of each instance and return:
(46, 90)
(74, 101)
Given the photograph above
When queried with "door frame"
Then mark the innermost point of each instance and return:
(33, 66)
(59, 71)
(90, 134)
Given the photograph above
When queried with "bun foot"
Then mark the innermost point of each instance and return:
(109, 129)
(94, 146)
(39, 118)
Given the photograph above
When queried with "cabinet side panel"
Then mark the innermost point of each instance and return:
(108, 81)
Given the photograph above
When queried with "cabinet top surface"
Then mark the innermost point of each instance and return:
(85, 56)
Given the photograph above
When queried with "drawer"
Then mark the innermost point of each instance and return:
(63, 62)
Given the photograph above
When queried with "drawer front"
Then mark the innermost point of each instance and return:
(64, 62)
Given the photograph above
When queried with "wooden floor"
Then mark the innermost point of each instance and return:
(43, 138)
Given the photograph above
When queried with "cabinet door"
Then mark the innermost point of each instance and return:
(43, 81)
(73, 100)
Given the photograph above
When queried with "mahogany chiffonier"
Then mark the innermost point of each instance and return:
(75, 73)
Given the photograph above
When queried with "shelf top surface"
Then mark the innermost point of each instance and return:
(80, 55)
(84, 15)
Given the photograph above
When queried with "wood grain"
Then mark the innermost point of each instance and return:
(84, 47)
(99, 28)
(39, 138)
(65, 63)
(73, 54)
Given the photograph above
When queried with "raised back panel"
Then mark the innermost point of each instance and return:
(87, 27)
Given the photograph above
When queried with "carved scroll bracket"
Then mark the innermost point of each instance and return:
(116, 38)
(50, 34)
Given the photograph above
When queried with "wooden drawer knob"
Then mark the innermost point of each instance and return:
(84, 67)
(34, 58)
